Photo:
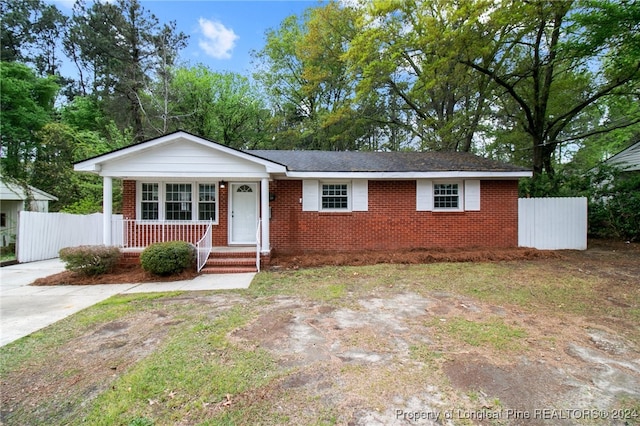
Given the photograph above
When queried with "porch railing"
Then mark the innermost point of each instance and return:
(138, 234)
(258, 243)
(203, 247)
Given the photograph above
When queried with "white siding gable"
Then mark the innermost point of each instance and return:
(182, 158)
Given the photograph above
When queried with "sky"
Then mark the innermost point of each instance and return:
(222, 33)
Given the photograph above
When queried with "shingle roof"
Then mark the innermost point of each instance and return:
(358, 161)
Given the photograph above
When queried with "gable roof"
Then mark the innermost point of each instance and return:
(177, 154)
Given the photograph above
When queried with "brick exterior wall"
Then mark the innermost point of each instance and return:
(392, 221)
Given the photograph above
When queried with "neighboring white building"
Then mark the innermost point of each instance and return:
(13, 199)
(628, 159)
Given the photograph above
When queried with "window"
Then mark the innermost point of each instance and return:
(335, 196)
(177, 201)
(206, 201)
(149, 204)
(446, 196)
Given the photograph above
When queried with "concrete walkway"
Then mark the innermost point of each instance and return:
(25, 309)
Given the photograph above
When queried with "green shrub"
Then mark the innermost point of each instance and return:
(90, 260)
(168, 258)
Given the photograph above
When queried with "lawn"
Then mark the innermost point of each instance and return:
(374, 344)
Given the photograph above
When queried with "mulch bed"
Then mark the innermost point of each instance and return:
(126, 274)
(415, 256)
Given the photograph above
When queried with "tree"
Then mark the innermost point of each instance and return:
(551, 72)
(30, 33)
(305, 74)
(119, 47)
(221, 106)
(401, 51)
(27, 104)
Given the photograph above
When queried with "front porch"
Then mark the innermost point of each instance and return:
(220, 260)
(235, 212)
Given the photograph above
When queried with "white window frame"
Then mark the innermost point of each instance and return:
(460, 207)
(162, 199)
(348, 195)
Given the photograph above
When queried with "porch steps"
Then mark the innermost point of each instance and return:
(230, 263)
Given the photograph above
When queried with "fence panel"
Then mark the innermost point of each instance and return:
(553, 223)
(42, 235)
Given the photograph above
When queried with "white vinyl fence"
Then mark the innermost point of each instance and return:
(42, 235)
(552, 223)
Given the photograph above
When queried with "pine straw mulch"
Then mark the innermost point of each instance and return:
(124, 274)
(414, 256)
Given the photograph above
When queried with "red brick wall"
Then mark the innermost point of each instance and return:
(392, 221)
(129, 199)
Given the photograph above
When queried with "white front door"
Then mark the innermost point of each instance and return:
(244, 213)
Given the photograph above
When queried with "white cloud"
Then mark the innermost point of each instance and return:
(218, 41)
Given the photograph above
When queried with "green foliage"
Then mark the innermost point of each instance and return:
(30, 32)
(168, 258)
(27, 105)
(123, 44)
(90, 260)
(225, 107)
(141, 421)
(85, 205)
(614, 205)
(613, 196)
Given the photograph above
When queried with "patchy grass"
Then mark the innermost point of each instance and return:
(368, 355)
(493, 333)
(193, 376)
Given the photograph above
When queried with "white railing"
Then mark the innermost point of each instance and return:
(203, 247)
(142, 233)
(258, 244)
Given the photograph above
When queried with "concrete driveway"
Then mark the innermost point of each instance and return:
(25, 309)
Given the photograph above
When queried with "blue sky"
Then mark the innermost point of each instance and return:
(222, 32)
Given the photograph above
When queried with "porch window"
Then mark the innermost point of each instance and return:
(184, 201)
(335, 196)
(150, 202)
(206, 201)
(178, 205)
(446, 196)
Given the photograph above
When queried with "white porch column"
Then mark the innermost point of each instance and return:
(107, 209)
(264, 214)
